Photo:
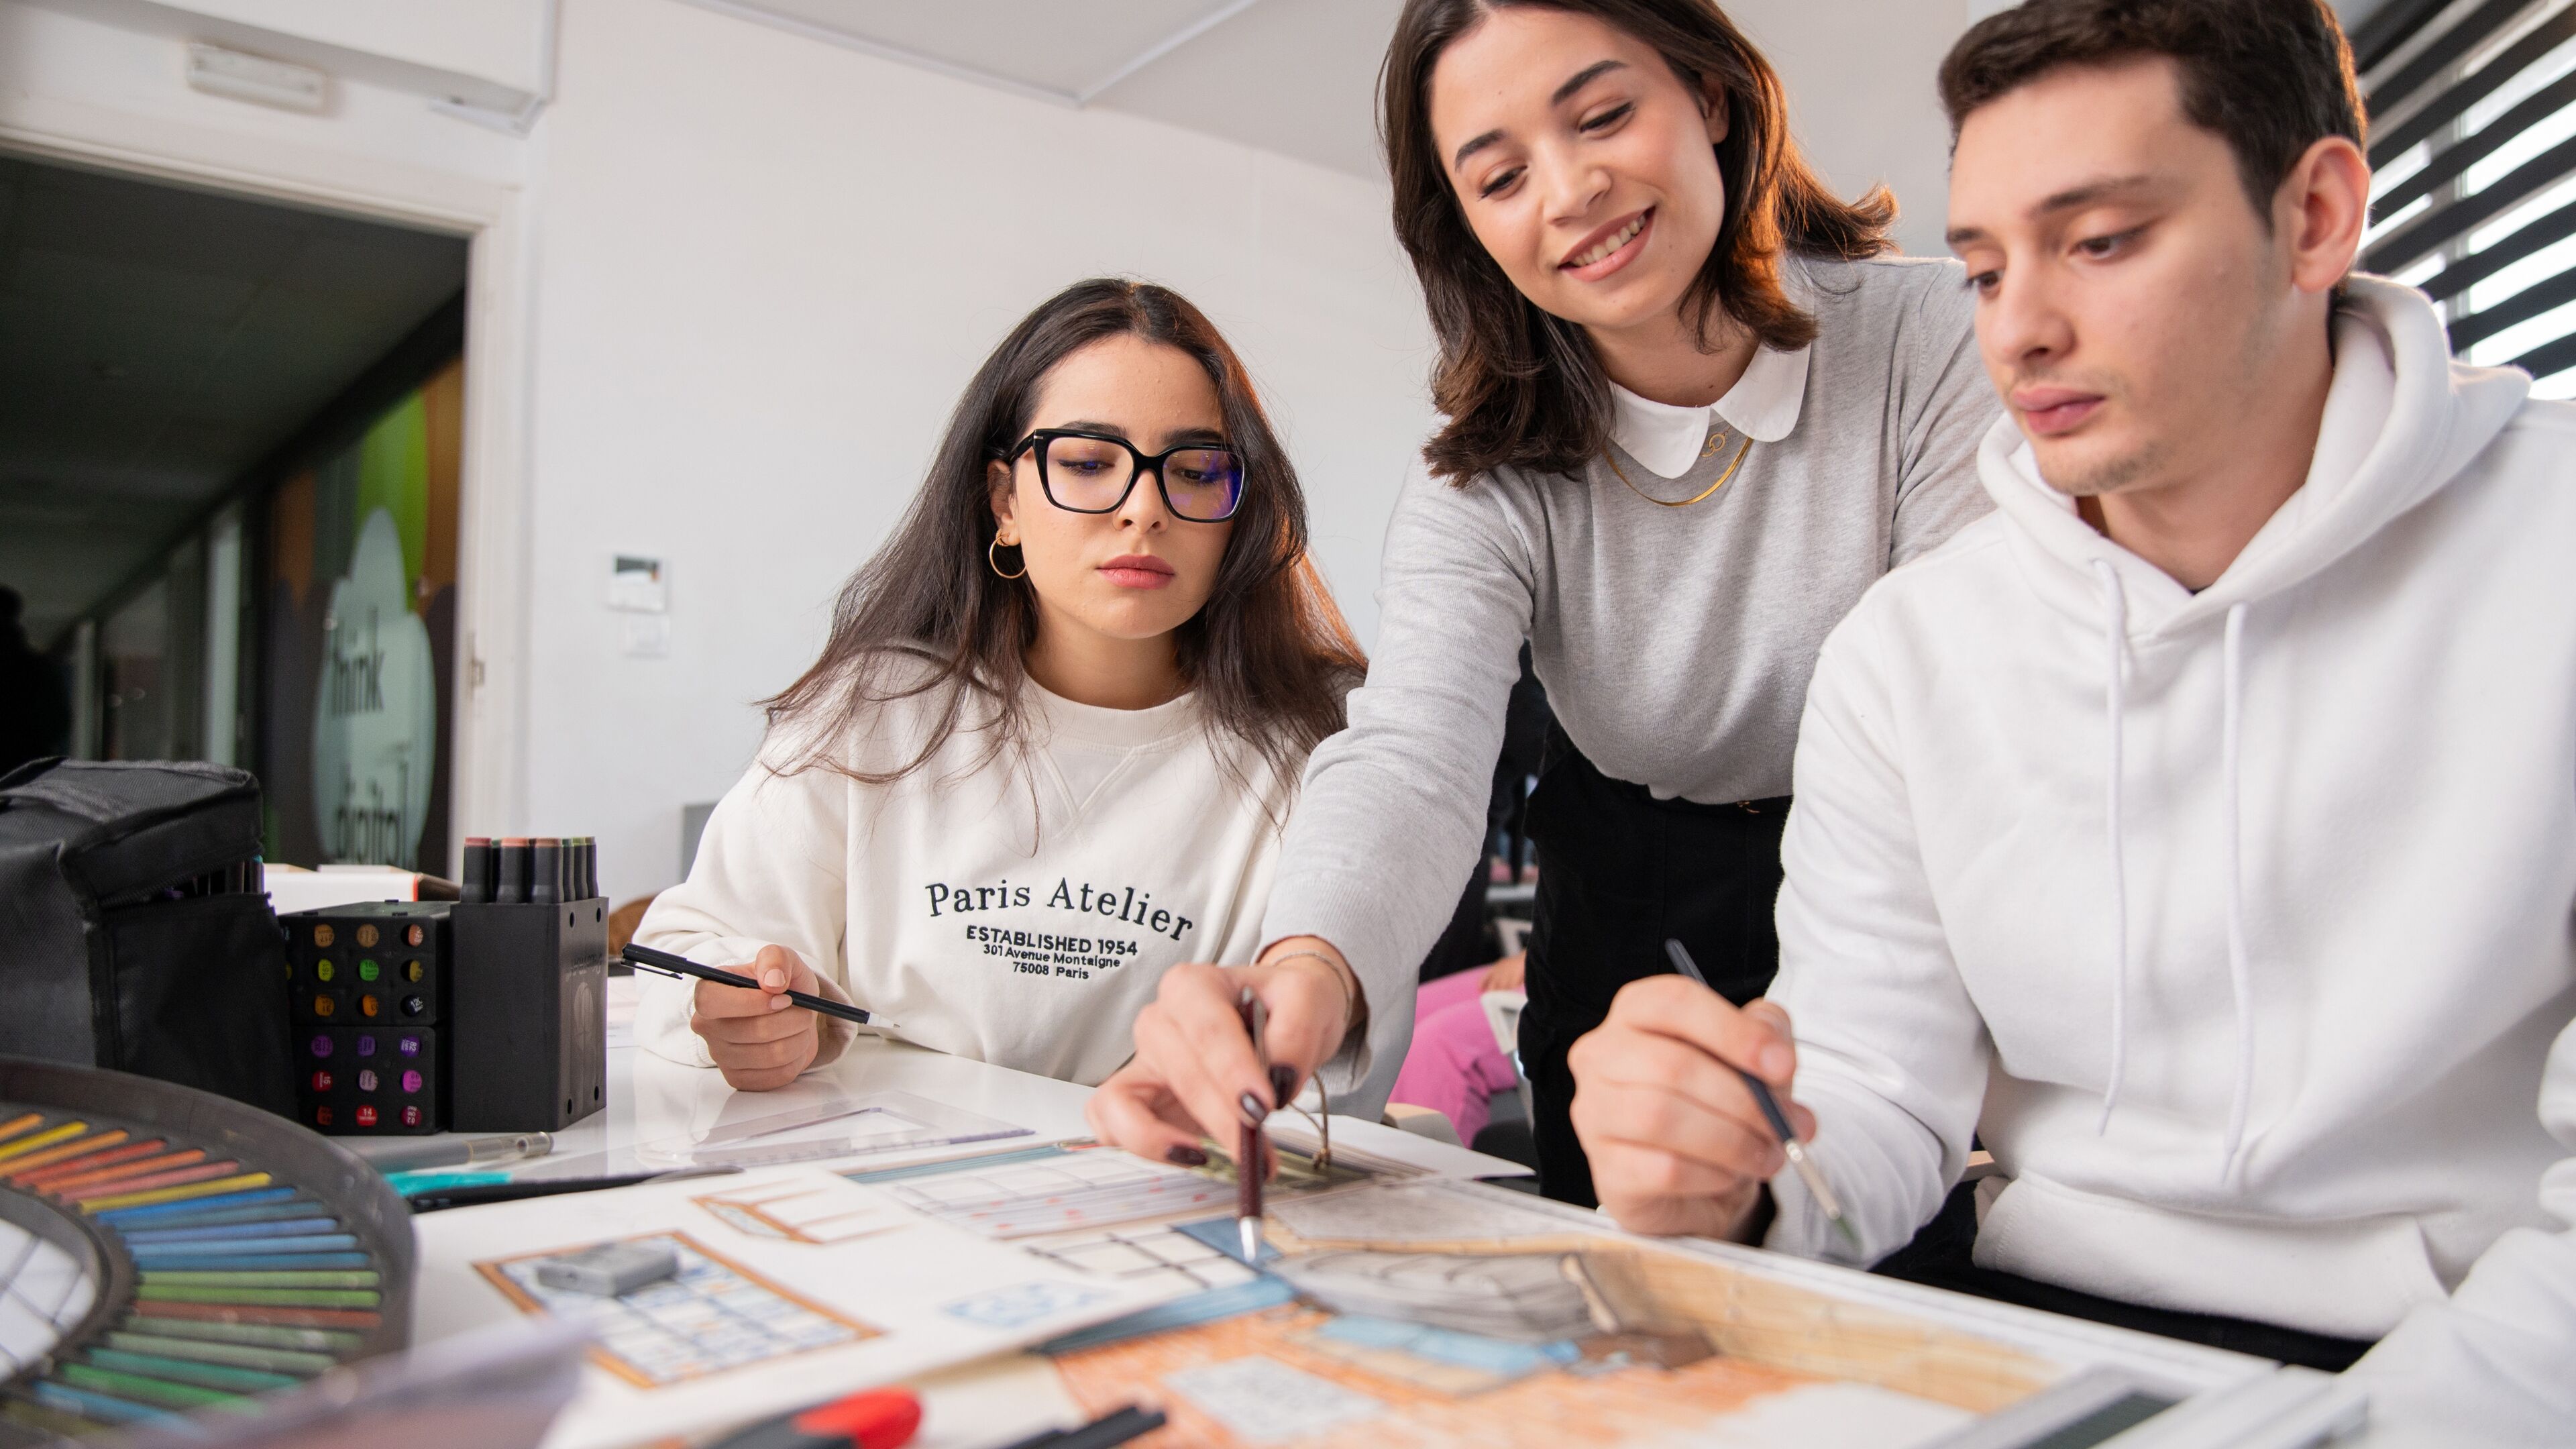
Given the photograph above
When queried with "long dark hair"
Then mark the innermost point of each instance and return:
(1269, 654)
(1521, 387)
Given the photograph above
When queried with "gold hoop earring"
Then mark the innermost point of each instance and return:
(997, 563)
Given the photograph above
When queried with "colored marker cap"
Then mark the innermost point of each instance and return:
(875, 1419)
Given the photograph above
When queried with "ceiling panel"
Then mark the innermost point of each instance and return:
(1298, 77)
(1067, 48)
(155, 341)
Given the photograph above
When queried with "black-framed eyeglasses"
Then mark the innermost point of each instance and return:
(1085, 472)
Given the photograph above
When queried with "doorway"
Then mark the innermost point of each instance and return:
(230, 445)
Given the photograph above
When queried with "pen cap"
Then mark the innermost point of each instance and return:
(510, 870)
(875, 1419)
(545, 871)
(475, 879)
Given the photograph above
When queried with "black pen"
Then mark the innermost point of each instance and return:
(669, 965)
(1808, 1172)
(1100, 1433)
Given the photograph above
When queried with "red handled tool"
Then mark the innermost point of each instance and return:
(869, 1419)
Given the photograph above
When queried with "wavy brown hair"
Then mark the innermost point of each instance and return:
(1522, 388)
(1269, 654)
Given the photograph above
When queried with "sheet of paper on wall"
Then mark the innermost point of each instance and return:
(789, 1279)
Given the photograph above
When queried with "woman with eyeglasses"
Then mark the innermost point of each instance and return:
(1691, 412)
(1055, 732)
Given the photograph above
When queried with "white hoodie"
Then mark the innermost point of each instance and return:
(2238, 923)
(1018, 911)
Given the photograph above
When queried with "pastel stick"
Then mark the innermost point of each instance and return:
(90, 1404)
(23, 1146)
(216, 1187)
(124, 1180)
(95, 1151)
(65, 1179)
(287, 1226)
(274, 1360)
(286, 1243)
(155, 1278)
(154, 1315)
(311, 1340)
(171, 1213)
(141, 1387)
(241, 1262)
(230, 1377)
(260, 1297)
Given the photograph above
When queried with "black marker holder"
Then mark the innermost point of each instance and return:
(527, 1014)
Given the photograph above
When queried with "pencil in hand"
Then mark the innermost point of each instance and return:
(1808, 1172)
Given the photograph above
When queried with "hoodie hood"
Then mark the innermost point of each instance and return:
(2401, 421)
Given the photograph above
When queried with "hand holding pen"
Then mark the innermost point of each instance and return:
(758, 1021)
(1670, 1107)
(1199, 1072)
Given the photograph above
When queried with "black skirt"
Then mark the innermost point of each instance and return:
(1619, 871)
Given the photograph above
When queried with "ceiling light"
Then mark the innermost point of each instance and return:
(256, 78)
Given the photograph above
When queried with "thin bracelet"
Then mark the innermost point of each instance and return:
(1350, 998)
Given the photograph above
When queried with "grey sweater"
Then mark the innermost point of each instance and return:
(1675, 643)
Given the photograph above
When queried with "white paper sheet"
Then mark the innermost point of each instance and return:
(932, 1295)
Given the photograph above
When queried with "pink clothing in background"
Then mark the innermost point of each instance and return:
(1454, 1066)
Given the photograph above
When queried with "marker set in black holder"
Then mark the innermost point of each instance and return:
(530, 869)
(483, 1014)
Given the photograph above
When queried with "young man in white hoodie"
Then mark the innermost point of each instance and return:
(2199, 829)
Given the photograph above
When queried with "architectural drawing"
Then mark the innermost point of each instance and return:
(1144, 1255)
(711, 1316)
(800, 1211)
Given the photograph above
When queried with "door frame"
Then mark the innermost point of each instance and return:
(487, 785)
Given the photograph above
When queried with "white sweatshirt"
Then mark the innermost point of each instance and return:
(1017, 911)
(2238, 923)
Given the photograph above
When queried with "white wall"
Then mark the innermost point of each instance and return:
(1869, 112)
(765, 269)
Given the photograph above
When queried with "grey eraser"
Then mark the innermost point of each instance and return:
(610, 1269)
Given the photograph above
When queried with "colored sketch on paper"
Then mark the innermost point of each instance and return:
(1531, 1330)
(1264, 1379)
(802, 1211)
(1296, 1376)
(1075, 1185)
(1048, 1190)
(711, 1316)
(1145, 1255)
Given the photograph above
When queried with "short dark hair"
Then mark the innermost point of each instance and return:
(2270, 77)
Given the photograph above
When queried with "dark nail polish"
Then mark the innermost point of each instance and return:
(1186, 1157)
(1254, 1114)
(1283, 1083)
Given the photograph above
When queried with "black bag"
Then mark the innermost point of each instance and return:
(134, 934)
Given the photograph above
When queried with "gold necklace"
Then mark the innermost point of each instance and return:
(1714, 443)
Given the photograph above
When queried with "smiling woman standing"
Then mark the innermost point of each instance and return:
(1691, 413)
(1053, 737)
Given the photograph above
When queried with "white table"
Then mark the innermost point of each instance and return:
(984, 1404)
(649, 1099)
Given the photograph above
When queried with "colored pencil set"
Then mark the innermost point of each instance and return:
(214, 1278)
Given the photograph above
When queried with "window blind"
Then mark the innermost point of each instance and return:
(2473, 145)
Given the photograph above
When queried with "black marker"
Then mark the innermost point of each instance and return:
(510, 871)
(1100, 1433)
(669, 965)
(1808, 1172)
